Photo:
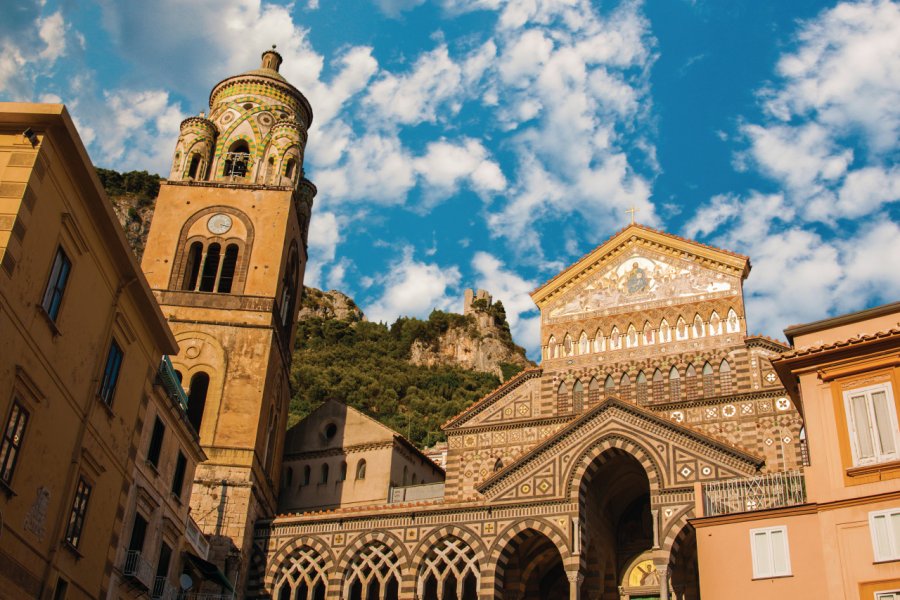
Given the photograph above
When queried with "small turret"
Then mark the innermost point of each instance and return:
(271, 59)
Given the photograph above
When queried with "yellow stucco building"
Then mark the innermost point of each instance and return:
(81, 380)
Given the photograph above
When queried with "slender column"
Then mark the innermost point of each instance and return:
(663, 571)
(575, 579)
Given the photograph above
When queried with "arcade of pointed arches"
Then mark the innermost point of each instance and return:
(662, 385)
(529, 559)
(648, 335)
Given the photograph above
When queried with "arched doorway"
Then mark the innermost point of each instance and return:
(683, 565)
(533, 569)
(619, 530)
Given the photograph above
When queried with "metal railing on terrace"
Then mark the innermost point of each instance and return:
(413, 493)
(205, 596)
(137, 567)
(163, 590)
(771, 490)
(169, 380)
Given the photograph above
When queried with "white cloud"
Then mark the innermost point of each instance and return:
(375, 168)
(52, 31)
(446, 164)
(393, 8)
(829, 137)
(415, 97)
(324, 237)
(413, 288)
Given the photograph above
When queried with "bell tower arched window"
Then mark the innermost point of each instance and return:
(210, 267)
(194, 169)
(192, 269)
(290, 168)
(197, 399)
(226, 275)
(237, 160)
(289, 289)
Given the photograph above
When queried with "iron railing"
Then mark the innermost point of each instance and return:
(162, 590)
(137, 567)
(205, 596)
(771, 490)
(169, 380)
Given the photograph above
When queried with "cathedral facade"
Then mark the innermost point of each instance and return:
(577, 478)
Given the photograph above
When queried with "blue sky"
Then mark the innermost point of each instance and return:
(490, 143)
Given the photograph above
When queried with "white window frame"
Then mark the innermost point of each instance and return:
(892, 552)
(888, 595)
(775, 572)
(879, 455)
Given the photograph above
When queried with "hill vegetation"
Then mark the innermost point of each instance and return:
(133, 196)
(366, 365)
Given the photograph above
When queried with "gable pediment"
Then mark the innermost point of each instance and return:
(513, 400)
(640, 266)
(678, 455)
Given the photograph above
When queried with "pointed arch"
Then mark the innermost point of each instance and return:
(552, 348)
(690, 382)
(615, 339)
(625, 391)
(302, 576)
(599, 341)
(562, 398)
(640, 388)
(674, 384)
(583, 345)
(609, 387)
(449, 570)
(649, 336)
(698, 327)
(578, 397)
(709, 382)
(593, 392)
(568, 345)
(726, 377)
(665, 332)
(631, 336)
(681, 330)
(373, 573)
(715, 324)
(732, 322)
(659, 386)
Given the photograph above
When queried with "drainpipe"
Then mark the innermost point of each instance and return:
(75, 460)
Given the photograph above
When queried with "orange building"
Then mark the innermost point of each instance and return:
(831, 530)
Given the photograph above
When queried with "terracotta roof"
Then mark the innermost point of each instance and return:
(861, 339)
(644, 227)
(496, 393)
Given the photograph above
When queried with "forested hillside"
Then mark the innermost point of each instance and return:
(367, 366)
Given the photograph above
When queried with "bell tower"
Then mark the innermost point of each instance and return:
(225, 257)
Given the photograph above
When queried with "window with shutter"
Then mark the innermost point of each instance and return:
(872, 420)
(885, 528)
(770, 552)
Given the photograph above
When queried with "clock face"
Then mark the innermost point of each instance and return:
(219, 224)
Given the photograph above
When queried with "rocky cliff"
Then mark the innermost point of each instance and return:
(483, 344)
(329, 305)
(133, 197)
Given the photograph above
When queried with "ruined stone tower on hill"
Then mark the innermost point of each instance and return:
(225, 257)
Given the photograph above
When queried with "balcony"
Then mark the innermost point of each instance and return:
(138, 568)
(205, 596)
(196, 538)
(163, 590)
(771, 490)
(169, 380)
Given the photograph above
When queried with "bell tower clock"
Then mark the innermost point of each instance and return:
(225, 257)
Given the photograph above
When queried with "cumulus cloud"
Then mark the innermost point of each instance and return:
(324, 237)
(828, 141)
(414, 288)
